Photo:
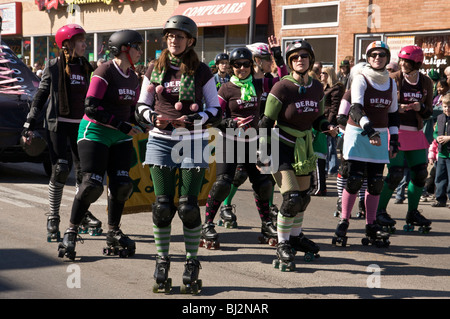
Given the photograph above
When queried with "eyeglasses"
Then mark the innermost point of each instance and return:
(245, 64)
(380, 54)
(136, 46)
(324, 73)
(298, 56)
(172, 37)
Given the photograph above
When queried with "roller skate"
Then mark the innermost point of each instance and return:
(119, 244)
(415, 218)
(53, 227)
(385, 221)
(67, 246)
(340, 236)
(269, 233)
(285, 257)
(90, 224)
(209, 237)
(274, 213)
(227, 216)
(163, 282)
(376, 236)
(303, 244)
(338, 210)
(362, 209)
(191, 283)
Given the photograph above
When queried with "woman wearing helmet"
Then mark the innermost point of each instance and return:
(178, 91)
(65, 80)
(415, 103)
(105, 142)
(294, 106)
(372, 115)
(222, 63)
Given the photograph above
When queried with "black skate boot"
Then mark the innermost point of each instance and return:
(303, 244)
(163, 282)
(274, 213)
(338, 210)
(376, 236)
(269, 233)
(385, 221)
(53, 227)
(285, 257)
(90, 224)
(415, 218)
(119, 244)
(340, 236)
(191, 283)
(362, 209)
(67, 246)
(209, 237)
(227, 216)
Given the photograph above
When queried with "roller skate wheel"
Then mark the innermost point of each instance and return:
(61, 252)
(273, 241)
(289, 266)
(408, 228)
(309, 257)
(276, 263)
(201, 243)
(336, 214)
(82, 230)
(220, 222)
(365, 241)
(95, 231)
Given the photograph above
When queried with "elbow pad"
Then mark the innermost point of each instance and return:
(342, 119)
(356, 112)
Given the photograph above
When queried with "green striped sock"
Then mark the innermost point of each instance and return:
(191, 241)
(284, 226)
(162, 239)
(297, 224)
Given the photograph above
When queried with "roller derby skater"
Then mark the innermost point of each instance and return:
(66, 248)
(210, 238)
(303, 244)
(340, 236)
(415, 218)
(376, 236)
(90, 224)
(119, 244)
(191, 283)
(385, 221)
(53, 232)
(296, 158)
(162, 281)
(415, 104)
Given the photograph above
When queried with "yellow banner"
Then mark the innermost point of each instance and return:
(143, 196)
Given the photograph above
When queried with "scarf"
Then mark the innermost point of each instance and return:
(302, 85)
(247, 87)
(187, 84)
(378, 77)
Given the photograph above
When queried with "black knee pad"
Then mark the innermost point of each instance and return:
(264, 188)
(120, 190)
(343, 169)
(354, 183)
(163, 210)
(91, 188)
(394, 177)
(189, 211)
(375, 185)
(60, 171)
(306, 199)
(292, 203)
(221, 187)
(240, 176)
(419, 174)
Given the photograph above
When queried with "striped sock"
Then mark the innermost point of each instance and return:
(191, 241)
(297, 224)
(162, 239)
(284, 226)
(55, 192)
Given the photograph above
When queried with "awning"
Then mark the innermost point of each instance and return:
(223, 12)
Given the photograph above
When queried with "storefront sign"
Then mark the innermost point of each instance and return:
(396, 43)
(53, 4)
(11, 14)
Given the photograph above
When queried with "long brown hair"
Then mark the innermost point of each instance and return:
(68, 54)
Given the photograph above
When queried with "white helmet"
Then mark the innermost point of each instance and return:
(259, 49)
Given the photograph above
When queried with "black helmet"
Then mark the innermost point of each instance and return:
(240, 53)
(183, 23)
(297, 45)
(123, 37)
(220, 57)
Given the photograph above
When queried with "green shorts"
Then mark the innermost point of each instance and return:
(98, 133)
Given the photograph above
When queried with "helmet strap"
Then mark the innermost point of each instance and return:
(127, 52)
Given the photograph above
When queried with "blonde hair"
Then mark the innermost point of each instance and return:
(446, 99)
(332, 77)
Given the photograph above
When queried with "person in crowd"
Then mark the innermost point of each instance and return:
(222, 62)
(178, 100)
(344, 72)
(392, 67)
(64, 84)
(105, 143)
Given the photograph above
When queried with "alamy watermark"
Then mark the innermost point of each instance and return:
(374, 280)
(74, 279)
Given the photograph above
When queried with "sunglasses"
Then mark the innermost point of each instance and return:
(136, 46)
(298, 56)
(245, 64)
(380, 54)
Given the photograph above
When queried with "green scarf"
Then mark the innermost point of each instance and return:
(187, 83)
(302, 86)
(247, 87)
(305, 158)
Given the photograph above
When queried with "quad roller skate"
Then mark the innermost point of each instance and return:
(303, 244)
(376, 236)
(209, 237)
(340, 236)
(227, 216)
(53, 228)
(67, 246)
(191, 283)
(338, 210)
(90, 224)
(361, 214)
(285, 257)
(415, 218)
(269, 233)
(385, 221)
(119, 244)
(162, 281)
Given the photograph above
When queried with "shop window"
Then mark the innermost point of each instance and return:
(53, 50)
(312, 15)
(155, 44)
(102, 46)
(213, 42)
(324, 49)
(40, 50)
(89, 53)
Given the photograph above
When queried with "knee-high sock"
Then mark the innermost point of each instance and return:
(297, 224)
(371, 202)
(348, 200)
(162, 239)
(284, 227)
(191, 241)
(55, 192)
(385, 196)
(230, 196)
(414, 193)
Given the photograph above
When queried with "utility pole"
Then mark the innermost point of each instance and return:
(252, 24)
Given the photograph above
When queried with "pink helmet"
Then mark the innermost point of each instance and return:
(67, 32)
(411, 52)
